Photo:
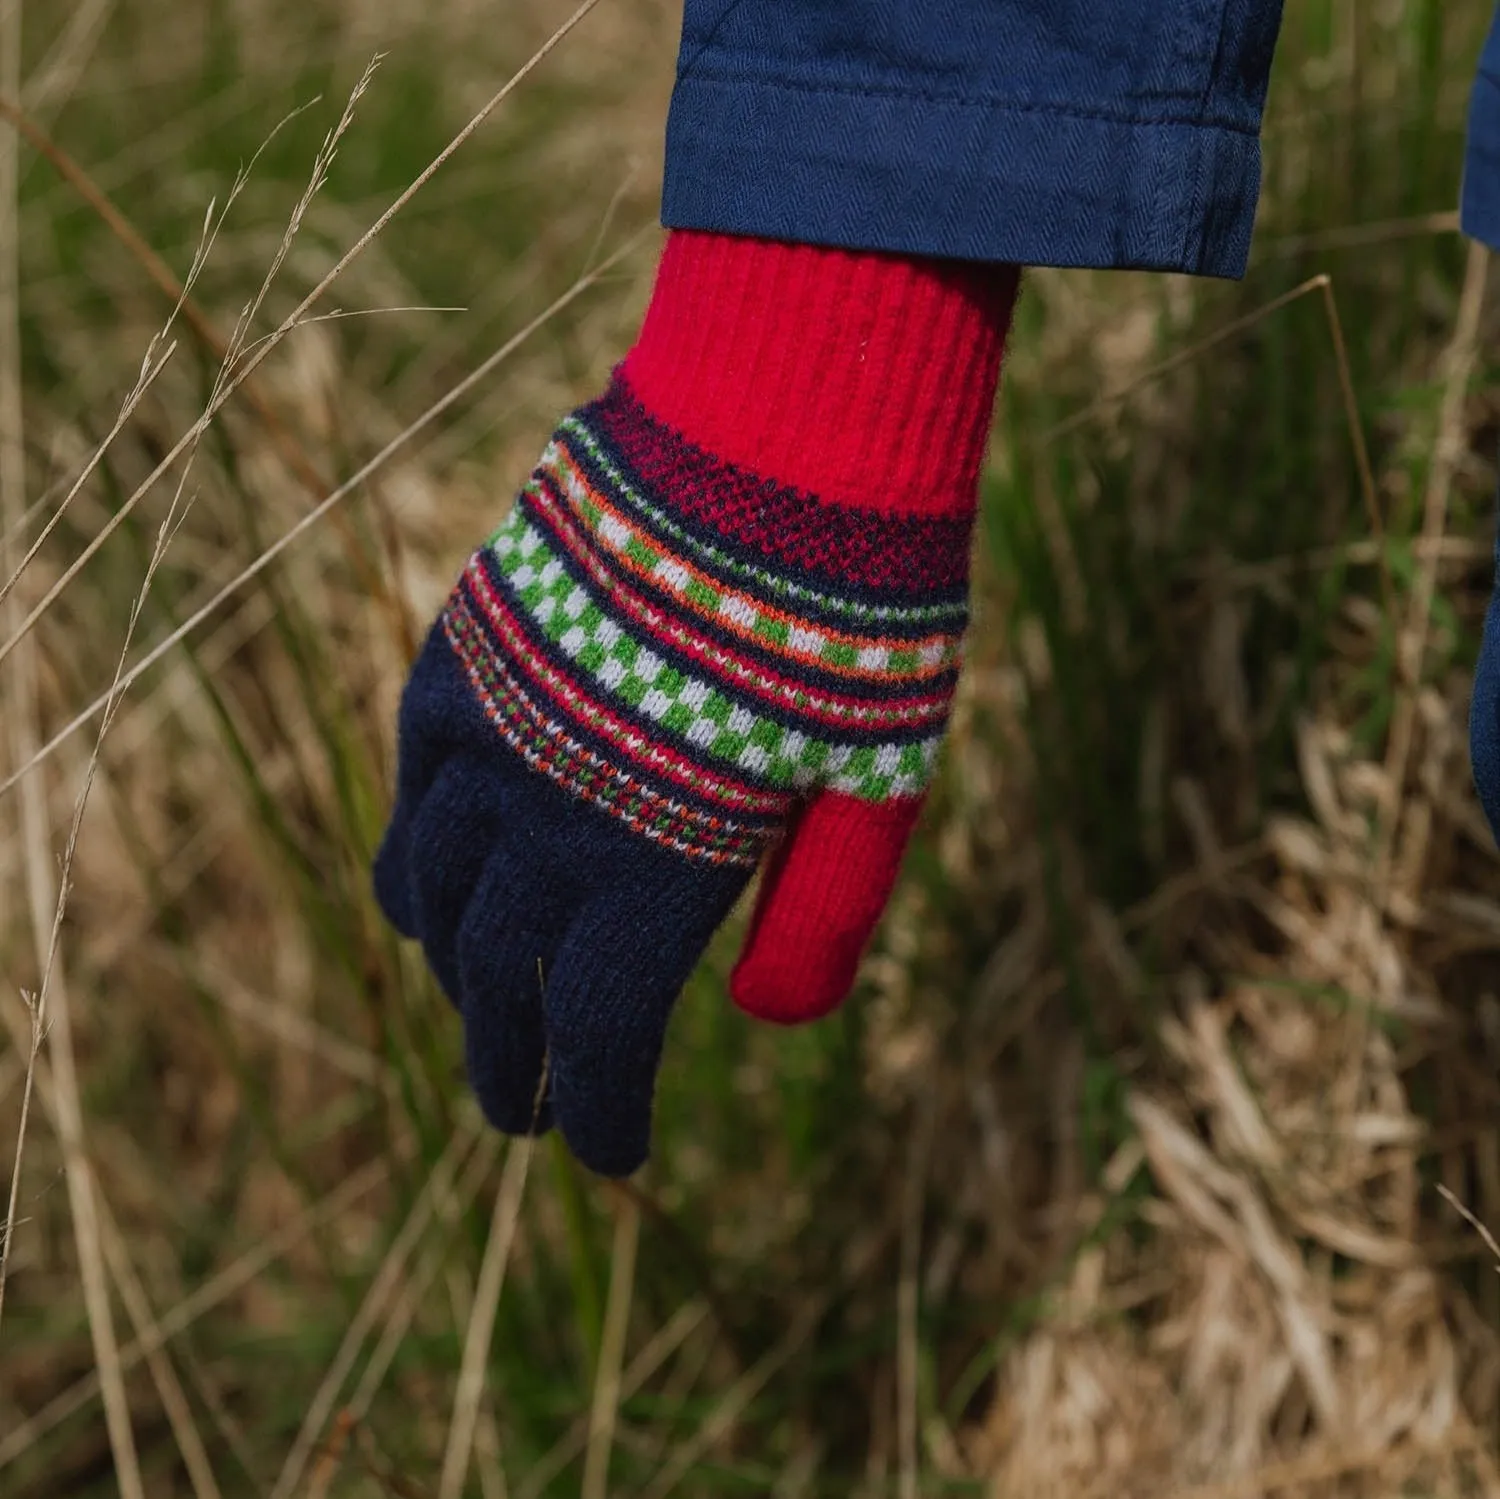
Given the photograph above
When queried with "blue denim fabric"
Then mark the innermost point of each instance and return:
(1481, 191)
(1107, 133)
(1481, 218)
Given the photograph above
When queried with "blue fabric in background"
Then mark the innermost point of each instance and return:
(1481, 190)
(1107, 133)
(1480, 215)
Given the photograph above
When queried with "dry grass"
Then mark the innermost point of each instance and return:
(1137, 1165)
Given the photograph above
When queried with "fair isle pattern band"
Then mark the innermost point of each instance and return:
(682, 677)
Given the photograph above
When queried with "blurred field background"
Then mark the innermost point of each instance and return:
(1135, 1167)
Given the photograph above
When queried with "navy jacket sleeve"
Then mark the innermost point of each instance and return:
(1106, 133)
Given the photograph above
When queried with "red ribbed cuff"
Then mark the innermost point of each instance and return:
(866, 379)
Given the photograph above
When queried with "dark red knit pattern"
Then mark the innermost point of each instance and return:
(788, 530)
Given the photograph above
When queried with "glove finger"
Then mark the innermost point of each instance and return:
(820, 901)
(427, 732)
(392, 873)
(610, 995)
(506, 944)
(451, 837)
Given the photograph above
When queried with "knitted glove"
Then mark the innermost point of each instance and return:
(722, 622)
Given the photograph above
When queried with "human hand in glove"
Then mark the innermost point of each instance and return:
(720, 627)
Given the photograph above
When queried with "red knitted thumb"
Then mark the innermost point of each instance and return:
(821, 899)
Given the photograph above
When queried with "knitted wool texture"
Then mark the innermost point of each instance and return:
(722, 619)
(688, 670)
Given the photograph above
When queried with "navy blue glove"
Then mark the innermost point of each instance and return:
(553, 932)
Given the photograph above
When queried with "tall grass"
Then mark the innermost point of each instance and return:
(1114, 1176)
